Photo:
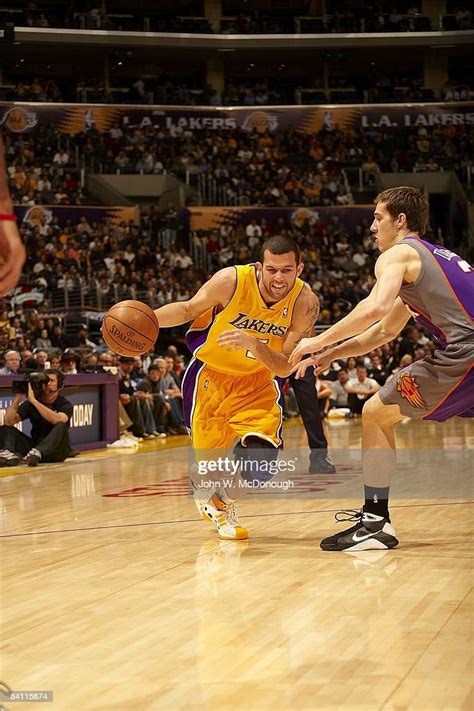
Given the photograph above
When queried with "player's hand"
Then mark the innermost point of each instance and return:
(31, 395)
(324, 360)
(301, 368)
(235, 339)
(306, 345)
(320, 362)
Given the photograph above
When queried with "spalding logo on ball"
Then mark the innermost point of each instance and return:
(130, 328)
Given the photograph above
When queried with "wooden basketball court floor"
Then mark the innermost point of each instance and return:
(115, 596)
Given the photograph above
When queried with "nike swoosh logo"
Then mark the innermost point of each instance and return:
(357, 538)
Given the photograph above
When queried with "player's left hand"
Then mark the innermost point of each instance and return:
(235, 339)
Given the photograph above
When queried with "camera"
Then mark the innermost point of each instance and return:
(34, 378)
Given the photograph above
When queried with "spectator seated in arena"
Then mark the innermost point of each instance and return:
(360, 389)
(70, 363)
(12, 363)
(150, 386)
(136, 403)
(376, 369)
(44, 340)
(323, 391)
(49, 413)
(339, 394)
(172, 394)
(41, 360)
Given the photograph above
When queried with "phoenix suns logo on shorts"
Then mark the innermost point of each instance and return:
(410, 390)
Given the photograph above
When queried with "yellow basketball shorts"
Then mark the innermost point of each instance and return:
(220, 408)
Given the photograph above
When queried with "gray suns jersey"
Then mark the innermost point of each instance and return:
(442, 298)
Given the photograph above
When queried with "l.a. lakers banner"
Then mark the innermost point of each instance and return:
(79, 118)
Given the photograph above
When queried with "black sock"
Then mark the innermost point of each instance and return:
(376, 500)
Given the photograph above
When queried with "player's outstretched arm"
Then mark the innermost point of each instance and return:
(389, 270)
(12, 251)
(217, 291)
(304, 317)
(382, 332)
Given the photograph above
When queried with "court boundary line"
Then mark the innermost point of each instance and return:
(197, 520)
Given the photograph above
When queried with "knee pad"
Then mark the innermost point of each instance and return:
(258, 460)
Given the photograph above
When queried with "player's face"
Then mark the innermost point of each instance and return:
(278, 275)
(384, 227)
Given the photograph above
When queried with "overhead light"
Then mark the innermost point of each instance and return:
(229, 49)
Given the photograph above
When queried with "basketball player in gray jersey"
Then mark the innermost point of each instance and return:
(414, 278)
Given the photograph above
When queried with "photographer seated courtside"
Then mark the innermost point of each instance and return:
(38, 399)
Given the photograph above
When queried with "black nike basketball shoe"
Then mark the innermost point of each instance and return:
(371, 532)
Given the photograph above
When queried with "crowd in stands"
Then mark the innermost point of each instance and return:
(67, 15)
(371, 87)
(275, 169)
(40, 171)
(458, 91)
(408, 18)
(284, 168)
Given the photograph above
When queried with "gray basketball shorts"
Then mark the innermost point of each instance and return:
(438, 387)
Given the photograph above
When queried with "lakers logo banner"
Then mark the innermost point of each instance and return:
(79, 118)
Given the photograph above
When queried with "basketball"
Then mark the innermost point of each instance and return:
(130, 328)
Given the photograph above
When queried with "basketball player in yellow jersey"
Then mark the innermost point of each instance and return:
(246, 321)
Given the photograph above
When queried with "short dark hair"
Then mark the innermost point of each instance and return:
(59, 375)
(411, 202)
(279, 244)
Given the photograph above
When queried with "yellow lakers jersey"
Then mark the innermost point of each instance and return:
(248, 311)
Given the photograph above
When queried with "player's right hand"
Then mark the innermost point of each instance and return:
(323, 360)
